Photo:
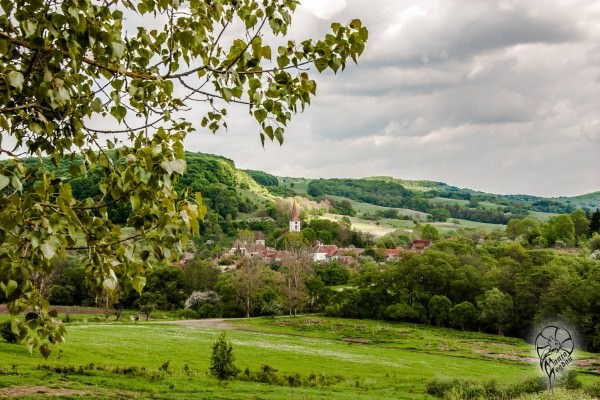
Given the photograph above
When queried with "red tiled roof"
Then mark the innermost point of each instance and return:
(329, 249)
(420, 244)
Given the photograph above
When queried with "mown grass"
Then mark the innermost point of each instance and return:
(364, 359)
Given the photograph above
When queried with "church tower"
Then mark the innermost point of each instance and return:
(294, 220)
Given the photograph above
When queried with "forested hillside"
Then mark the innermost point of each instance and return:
(431, 197)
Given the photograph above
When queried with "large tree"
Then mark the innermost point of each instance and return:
(109, 85)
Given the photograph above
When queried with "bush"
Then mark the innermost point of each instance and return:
(7, 333)
(401, 312)
(199, 298)
(268, 374)
(187, 313)
(61, 295)
(594, 390)
(570, 381)
(222, 359)
(529, 386)
(469, 390)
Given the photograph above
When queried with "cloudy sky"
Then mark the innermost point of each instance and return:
(499, 96)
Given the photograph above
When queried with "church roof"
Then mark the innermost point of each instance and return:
(295, 215)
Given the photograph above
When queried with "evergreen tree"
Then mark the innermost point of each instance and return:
(222, 358)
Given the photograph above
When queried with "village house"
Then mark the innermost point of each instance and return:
(419, 245)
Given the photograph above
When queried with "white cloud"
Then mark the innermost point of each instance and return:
(497, 96)
(323, 9)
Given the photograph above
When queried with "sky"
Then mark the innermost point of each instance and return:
(497, 96)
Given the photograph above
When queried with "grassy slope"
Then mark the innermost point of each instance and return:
(396, 363)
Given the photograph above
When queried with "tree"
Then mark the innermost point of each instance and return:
(559, 228)
(81, 84)
(439, 310)
(222, 359)
(527, 228)
(430, 232)
(581, 224)
(296, 266)
(440, 214)
(463, 315)
(497, 310)
(248, 281)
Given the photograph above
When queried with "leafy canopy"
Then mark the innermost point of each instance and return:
(80, 77)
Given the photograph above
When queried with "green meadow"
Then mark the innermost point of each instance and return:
(340, 358)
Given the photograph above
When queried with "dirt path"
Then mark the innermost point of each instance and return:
(213, 323)
(21, 391)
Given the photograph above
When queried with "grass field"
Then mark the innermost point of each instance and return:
(358, 359)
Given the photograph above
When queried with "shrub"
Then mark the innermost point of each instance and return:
(187, 313)
(594, 390)
(570, 381)
(61, 295)
(401, 312)
(268, 374)
(222, 359)
(199, 298)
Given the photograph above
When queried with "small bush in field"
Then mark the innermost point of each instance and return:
(222, 359)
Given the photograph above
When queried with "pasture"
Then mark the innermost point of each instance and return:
(335, 358)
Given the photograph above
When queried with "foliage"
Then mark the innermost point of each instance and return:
(263, 178)
(463, 315)
(471, 390)
(439, 310)
(200, 274)
(497, 309)
(222, 359)
(429, 232)
(72, 69)
(559, 228)
(387, 194)
(198, 299)
(7, 333)
(390, 193)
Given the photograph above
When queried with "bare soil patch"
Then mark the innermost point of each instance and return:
(212, 323)
(20, 391)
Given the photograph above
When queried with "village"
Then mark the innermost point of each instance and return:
(318, 251)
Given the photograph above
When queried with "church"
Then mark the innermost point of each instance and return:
(295, 219)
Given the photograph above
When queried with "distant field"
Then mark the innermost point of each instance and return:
(364, 359)
(364, 225)
(366, 208)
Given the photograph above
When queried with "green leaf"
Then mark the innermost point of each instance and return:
(16, 183)
(178, 166)
(260, 115)
(96, 105)
(4, 181)
(45, 351)
(16, 79)
(48, 250)
(118, 49)
(226, 94)
(321, 64)
(110, 284)
(138, 283)
(9, 288)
